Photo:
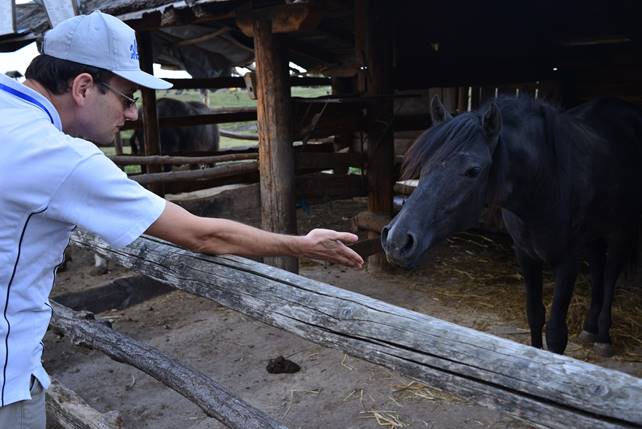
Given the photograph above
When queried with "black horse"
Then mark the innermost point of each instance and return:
(569, 186)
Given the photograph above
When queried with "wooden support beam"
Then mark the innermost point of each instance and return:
(379, 47)
(219, 116)
(179, 160)
(276, 155)
(192, 384)
(151, 134)
(283, 19)
(544, 389)
(7, 17)
(228, 170)
(69, 411)
(59, 10)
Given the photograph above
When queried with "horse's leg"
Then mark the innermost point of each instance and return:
(556, 329)
(597, 260)
(615, 259)
(535, 310)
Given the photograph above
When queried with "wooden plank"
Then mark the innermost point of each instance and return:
(59, 10)
(229, 201)
(239, 82)
(192, 384)
(179, 160)
(283, 19)
(228, 170)
(70, 411)
(276, 155)
(219, 116)
(542, 388)
(7, 17)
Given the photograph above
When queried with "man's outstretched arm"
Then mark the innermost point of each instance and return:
(221, 236)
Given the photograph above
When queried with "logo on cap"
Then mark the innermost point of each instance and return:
(133, 51)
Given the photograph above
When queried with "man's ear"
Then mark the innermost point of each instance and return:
(81, 86)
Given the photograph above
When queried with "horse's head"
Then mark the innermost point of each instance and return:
(453, 161)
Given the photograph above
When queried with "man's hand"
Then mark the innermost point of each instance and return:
(328, 245)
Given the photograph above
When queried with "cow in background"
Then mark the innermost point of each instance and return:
(180, 140)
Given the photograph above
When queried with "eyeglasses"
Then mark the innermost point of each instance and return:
(129, 101)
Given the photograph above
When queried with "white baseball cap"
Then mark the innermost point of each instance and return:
(103, 41)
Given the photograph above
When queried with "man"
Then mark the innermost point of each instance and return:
(53, 178)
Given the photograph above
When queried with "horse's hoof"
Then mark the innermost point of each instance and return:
(586, 338)
(603, 349)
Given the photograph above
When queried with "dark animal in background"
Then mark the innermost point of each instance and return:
(180, 140)
(568, 184)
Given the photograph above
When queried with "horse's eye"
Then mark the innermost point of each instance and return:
(472, 172)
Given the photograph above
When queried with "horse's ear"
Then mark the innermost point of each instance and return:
(492, 121)
(438, 111)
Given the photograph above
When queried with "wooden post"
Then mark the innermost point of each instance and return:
(276, 154)
(151, 140)
(7, 17)
(343, 86)
(379, 117)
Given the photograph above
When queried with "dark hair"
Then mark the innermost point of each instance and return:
(55, 74)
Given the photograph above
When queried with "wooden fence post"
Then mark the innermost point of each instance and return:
(276, 154)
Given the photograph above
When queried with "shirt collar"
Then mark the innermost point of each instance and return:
(35, 95)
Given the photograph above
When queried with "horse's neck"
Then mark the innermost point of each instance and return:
(522, 181)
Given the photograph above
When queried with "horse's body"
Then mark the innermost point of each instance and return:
(568, 184)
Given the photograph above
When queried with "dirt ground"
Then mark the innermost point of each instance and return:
(471, 280)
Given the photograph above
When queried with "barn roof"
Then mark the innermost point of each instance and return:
(437, 43)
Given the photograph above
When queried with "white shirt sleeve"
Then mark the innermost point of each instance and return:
(98, 197)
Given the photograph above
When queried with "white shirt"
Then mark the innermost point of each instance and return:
(49, 183)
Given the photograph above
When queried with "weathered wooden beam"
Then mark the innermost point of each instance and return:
(192, 384)
(228, 170)
(284, 19)
(218, 116)
(151, 133)
(224, 201)
(276, 155)
(69, 411)
(379, 56)
(7, 17)
(239, 82)
(542, 388)
(179, 160)
(59, 10)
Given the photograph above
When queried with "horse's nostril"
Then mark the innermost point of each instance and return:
(410, 243)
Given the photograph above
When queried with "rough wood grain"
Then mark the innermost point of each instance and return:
(276, 154)
(542, 388)
(70, 411)
(228, 170)
(194, 385)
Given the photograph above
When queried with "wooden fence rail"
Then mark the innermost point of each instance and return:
(194, 385)
(544, 389)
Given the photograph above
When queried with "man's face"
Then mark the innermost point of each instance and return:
(103, 117)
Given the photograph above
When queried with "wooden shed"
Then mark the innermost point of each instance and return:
(383, 60)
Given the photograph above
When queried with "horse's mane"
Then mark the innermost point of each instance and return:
(564, 136)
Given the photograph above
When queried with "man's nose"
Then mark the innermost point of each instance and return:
(131, 113)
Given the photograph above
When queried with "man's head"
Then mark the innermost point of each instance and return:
(89, 64)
